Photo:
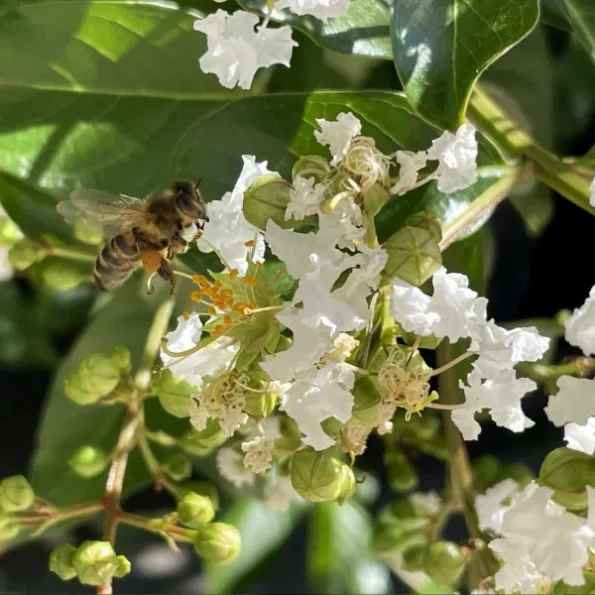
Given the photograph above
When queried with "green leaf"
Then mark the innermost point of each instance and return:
(364, 30)
(580, 14)
(339, 556)
(173, 393)
(567, 470)
(587, 589)
(442, 46)
(262, 533)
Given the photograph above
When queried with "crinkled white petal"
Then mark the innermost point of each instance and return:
(370, 262)
(317, 395)
(581, 437)
(580, 327)
(231, 467)
(231, 418)
(259, 454)
(427, 503)
(236, 49)
(208, 361)
(410, 164)
(278, 496)
(304, 198)
(501, 394)
(409, 306)
(574, 402)
(490, 507)
(517, 573)
(457, 159)
(227, 230)
(338, 134)
(321, 9)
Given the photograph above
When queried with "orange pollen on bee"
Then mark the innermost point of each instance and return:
(249, 244)
(212, 311)
(227, 320)
(217, 331)
(151, 260)
(250, 280)
(186, 315)
(233, 274)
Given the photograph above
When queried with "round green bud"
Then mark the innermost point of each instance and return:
(174, 393)
(414, 556)
(366, 402)
(61, 562)
(9, 232)
(23, 254)
(202, 488)
(260, 404)
(178, 467)
(267, 198)
(218, 543)
(195, 511)
(390, 538)
(123, 568)
(9, 527)
(517, 471)
(444, 562)
(88, 461)
(425, 426)
(401, 508)
(201, 443)
(16, 494)
(402, 475)
(120, 358)
(320, 476)
(87, 234)
(96, 377)
(310, 166)
(60, 274)
(486, 470)
(96, 563)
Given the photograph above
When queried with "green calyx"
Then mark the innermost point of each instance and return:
(88, 461)
(95, 563)
(16, 494)
(218, 543)
(195, 510)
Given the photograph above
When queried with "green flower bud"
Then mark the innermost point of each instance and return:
(202, 488)
(87, 234)
(16, 494)
(392, 538)
(267, 198)
(517, 471)
(88, 461)
(9, 232)
(218, 543)
(260, 404)
(401, 508)
(402, 475)
(96, 563)
(375, 199)
(444, 562)
(61, 562)
(366, 402)
(173, 393)
(486, 470)
(200, 443)
(310, 166)
(9, 527)
(23, 254)
(414, 557)
(121, 358)
(178, 467)
(320, 476)
(96, 377)
(60, 274)
(425, 427)
(195, 511)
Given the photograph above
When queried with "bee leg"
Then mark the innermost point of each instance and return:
(177, 244)
(167, 274)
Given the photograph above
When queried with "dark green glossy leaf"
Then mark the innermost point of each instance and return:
(364, 30)
(580, 15)
(442, 46)
(262, 533)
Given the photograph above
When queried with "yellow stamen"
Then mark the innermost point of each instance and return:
(250, 280)
(227, 320)
(186, 315)
(233, 274)
(217, 331)
(212, 311)
(249, 244)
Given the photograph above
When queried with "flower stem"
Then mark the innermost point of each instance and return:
(148, 524)
(71, 253)
(451, 364)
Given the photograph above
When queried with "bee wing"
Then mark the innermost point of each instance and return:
(112, 213)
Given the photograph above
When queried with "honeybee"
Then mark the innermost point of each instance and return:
(143, 232)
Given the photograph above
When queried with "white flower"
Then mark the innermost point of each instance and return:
(574, 402)
(304, 198)
(427, 503)
(490, 507)
(410, 164)
(317, 395)
(409, 306)
(580, 327)
(208, 361)
(321, 9)
(517, 573)
(581, 437)
(343, 345)
(227, 230)
(501, 395)
(368, 263)
(236, 50)
(592, 195)
(278, 496)
(230, 466)
(338, 134)
(457, 157)
(259, 454)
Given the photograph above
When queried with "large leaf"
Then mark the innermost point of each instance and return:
(442, 46)
(580, 15)
(339, 556)
(364, 30)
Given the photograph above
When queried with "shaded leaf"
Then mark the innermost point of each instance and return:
(580, 15)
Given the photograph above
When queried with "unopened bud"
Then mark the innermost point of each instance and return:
(425, 426)
(96, 377)
(9, 527)
(321, 476)
(402, 475)
(267, 198)
(198, 443)
(392, 537)
(218, 543)
(260, 404)
(96, 563)
(23, 254)
(486, 470)
(16, 494)
(178, 467)
(88, 461)
(519, 472)
(414, 556)
(444, 562)
(195, 511)
(173, 393)
(61, 562)
(87, 234)
(121, 358)
(310, 166)
(202, 488)
(366, 402)
(60, 274)
(9, 232)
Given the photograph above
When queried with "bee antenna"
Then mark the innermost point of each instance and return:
(197, 184)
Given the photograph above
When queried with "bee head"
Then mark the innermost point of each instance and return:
(189, 200)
